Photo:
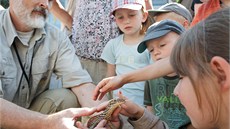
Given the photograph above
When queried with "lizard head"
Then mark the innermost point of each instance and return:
(117, 102)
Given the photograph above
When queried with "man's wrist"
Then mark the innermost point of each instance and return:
(46, 121)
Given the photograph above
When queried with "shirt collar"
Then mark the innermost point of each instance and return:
(11, 31)
(9, 28)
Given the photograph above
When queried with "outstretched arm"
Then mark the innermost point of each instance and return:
(155, 70)
(15, 117)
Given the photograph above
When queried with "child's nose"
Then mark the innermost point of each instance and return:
(156, 52)
(127, 20)
(175, 92)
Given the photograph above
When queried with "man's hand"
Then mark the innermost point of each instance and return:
(114, 121)
(101, 125)
(64, 118)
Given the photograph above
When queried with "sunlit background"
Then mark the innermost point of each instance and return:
(56, 22)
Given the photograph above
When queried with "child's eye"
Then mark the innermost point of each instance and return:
(132, 15)
(180, 77)
(151, 50)
(119, 17)
(162, 45)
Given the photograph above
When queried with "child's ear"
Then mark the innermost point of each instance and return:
(145, 16)
(221, 69)
(186, 24)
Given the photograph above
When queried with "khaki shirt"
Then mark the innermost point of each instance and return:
(48, 51)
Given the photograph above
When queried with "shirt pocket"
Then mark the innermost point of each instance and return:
(43, 64)
(8, 74)
(40, 65)
(41, 69)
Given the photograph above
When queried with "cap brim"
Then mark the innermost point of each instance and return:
(128, 6)
(154, 12)
(131, 6)
(142, 46)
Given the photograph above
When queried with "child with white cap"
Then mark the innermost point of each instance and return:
(121, 53)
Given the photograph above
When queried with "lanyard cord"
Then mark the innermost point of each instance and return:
(28, 79)
(20, 62)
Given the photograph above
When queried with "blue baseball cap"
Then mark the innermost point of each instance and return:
(158, 30)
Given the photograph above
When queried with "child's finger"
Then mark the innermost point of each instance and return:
(98, 92)
(101, 124)
(79, 112)
(79, 125)
(115, 115)
(120, 95)
(101, 95)
(102, 106)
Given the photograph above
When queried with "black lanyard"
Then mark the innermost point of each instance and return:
(23, 70)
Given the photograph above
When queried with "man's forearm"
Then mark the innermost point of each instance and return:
(148, 4)
(84, 94)
(15, 117)
(58, 11)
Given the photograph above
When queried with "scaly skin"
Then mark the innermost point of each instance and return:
(106, 114)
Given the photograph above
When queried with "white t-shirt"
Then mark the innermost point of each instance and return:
(127, 59)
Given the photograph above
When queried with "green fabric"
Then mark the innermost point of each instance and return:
(4, 3)
(159, 95)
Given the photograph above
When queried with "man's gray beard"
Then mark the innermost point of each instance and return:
(37, 21)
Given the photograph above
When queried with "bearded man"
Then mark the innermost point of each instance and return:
(31, 50)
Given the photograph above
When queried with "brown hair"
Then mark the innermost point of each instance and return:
(146, 24)
(196, 48)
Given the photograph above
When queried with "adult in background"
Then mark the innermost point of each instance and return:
(209, 7)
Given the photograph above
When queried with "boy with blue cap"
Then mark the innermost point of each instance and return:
(160, 39)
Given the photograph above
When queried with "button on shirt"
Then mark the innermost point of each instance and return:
(48, 51)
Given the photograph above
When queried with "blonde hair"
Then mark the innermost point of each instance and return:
(195, 49)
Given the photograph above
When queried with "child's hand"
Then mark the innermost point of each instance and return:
(129, 108)
(106, 85)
